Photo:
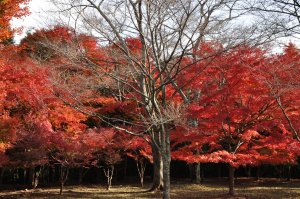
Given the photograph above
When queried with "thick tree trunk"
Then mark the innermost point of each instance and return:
(157, 183)
(166, 156)
(231, 180)
(166, 177)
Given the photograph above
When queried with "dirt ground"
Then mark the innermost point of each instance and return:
(211, 189)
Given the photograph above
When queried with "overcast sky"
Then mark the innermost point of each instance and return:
(41, 16)
(37, 19)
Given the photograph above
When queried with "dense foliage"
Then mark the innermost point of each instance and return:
(242, 105)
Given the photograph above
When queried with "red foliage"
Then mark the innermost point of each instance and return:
(10, 9)
(232, 104)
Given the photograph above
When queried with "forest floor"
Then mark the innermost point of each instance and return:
(211, 189)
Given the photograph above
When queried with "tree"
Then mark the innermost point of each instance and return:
(232, 106)
(30, 151)
(140, 151)
(23, 108)
(166, 32)
(280, 74)
(10, 9)
(108, 146)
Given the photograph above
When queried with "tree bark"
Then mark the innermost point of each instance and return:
(231, 180)
(166, 177)
(166, 156)
(157, 183)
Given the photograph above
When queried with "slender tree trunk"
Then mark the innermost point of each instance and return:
(109, 172)
(61, 188)
(198, 173)
(248, 171)
(141, 166)
(231, 180)
(53, 169)
(191, 172)
(289, 173)
(125, 168)
(157, 183)
(35, 176)
(64, 172)
(258, 171)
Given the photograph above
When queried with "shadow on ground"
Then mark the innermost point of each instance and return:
(211, 189)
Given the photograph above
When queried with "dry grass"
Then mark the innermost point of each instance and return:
(245, 188)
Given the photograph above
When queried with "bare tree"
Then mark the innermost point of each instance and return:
(284, 15)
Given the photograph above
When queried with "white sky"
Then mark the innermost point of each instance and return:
(37, 19)
(41, 16)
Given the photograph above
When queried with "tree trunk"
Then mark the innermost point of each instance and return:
(258, 173)
(231, 180)
(35, 178)
(141, 166)
(157, 183)
(61, 188)
(53, 174)
(289, 173)
(109, 172)
(191, 172)
(166, 156)
(64, 172)
(248, 171)
(198, 173)
(125, 169)
(166, 177)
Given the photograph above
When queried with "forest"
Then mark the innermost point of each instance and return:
(151, 93)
